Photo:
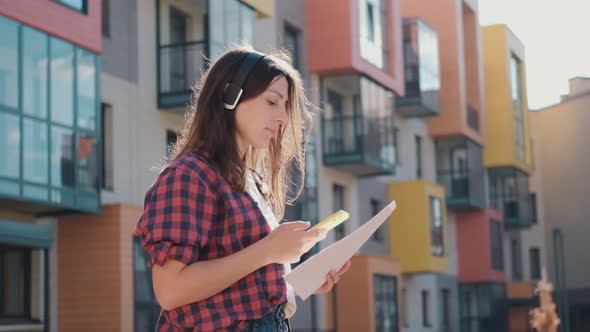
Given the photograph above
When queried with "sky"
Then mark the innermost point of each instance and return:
(556, 37)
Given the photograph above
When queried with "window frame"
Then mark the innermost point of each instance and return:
(377, 296)
(26, 316)
(535, 264)
(496, 245)
(83, 10)
(439, 230)
(425, 304)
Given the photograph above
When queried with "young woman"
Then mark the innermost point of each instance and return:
(210, 222)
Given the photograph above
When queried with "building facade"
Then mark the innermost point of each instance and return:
(559, 133)
(49, 147)
(418, 105)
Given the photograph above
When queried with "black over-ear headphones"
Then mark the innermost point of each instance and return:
(233, 90)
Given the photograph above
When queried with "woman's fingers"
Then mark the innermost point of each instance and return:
(344, 268)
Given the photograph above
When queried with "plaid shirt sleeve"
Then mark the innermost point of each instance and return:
(179, 210)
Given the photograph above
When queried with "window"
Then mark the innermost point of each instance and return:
(518, 113)
(230, 21)
(9, 77)
(21, 277)
(496, 243)
(52, 136)
(405, 308)
(79, 5)
(373, 41)
(146, 305)
(516, 255)
(385, 290)
(436, 226)
(290, 42)
(446, 308)
(371, 22)
(426, 317)
(338, 193)
(171, 138)
(535, 261)
(179, 76)
(418, 157)
(533, 198)
(375, 208)
(15, 273)
(107, 150)
(106, 20)
(396, 145)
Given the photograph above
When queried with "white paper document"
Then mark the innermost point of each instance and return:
(311, 275)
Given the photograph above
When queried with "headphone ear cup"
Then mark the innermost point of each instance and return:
(233, 90)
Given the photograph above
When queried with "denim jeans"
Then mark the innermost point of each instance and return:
(274, 321)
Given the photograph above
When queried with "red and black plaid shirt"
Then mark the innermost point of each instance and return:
(192, 214)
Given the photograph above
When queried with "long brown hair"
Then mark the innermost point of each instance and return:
(212, 129)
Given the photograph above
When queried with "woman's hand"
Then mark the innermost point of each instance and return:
(286, 243)
(332, 278)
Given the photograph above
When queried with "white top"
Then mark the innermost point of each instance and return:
(272, 221)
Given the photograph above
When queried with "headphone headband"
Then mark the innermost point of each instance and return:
(233, 90)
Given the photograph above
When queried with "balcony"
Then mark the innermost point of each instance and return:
(357, 126)
(460, 171)
(507, 117)
(422, 71)
(483, 307)
(187, 35)
(50, 141)
(358, 36)
(418, 233)
(509, 192)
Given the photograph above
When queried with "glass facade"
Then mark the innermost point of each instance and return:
(422, 70)
(146, 305)
(483, 307)
(187, 38)
(460, 170)
(48, 116)
(386, 303)
(518, 112)
(357, 125)
(509, 192)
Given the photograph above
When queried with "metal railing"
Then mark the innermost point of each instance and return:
(371, 139)
(180, 66)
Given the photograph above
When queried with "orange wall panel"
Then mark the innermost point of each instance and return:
(446, 17)
(334, 42)
(474, 247)
(58, 20)
(89, 272)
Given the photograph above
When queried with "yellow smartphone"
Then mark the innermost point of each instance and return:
(332, 221)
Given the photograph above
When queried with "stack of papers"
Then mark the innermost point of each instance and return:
(311, 275)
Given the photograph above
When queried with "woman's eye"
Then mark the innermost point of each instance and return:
(270, 102)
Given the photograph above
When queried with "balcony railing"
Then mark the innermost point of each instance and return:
(460, 170)
(180, 68)
(359, 145)
(509, 192)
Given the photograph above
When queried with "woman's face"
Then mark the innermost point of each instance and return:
(258, 119)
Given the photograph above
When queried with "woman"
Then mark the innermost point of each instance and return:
(217, 252)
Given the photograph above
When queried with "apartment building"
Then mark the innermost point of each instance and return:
(49, 148)
(560, 134)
